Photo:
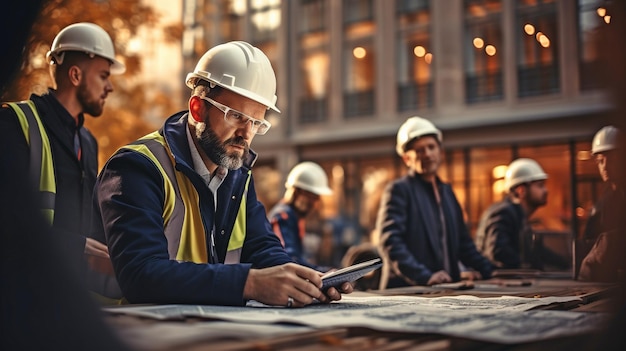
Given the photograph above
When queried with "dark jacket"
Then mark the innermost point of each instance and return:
(500, 232)
(130, 194)
(74, 179)
(506, 238)
(606, 214)
(410, 229)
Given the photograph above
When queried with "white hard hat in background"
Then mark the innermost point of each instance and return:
(309, 176)
(415, 127)
(239, 67)
(88, 38)
(523, 170)
(604, 140)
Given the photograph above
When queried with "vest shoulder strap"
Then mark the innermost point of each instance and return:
(40, 165)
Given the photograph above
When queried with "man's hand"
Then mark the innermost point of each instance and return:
(439, 277)
(289, 282)
(471, 275)
(95, 248)
(97, 256)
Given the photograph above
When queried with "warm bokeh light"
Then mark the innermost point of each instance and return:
(607, 19)
(580, 212)
(538, 36)
(479, 43)
(359, 52)
(419, 51)
(490, 50)
(499, 171)
(428, 58)
(583, 155)
(601, 11)
(529, 29)
(544, 41)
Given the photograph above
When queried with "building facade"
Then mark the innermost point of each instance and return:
(501, 78)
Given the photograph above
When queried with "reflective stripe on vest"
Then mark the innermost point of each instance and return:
(183, 225)
(41, 167)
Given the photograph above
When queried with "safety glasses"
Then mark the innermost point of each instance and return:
(239, 120)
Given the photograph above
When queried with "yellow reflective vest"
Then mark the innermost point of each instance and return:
(183, 225)
(41, 167)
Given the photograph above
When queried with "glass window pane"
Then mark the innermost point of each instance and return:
(591, 17)
(314, 62)
(312, 16)
(231, 22)
(265, 20)
(537, 48)
(487, 167)
(483, 51)
(413, 56)
(355, 11)
(359, 77)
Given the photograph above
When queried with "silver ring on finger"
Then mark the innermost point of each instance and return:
(289, 302)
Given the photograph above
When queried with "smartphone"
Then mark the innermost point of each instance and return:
(349, 274)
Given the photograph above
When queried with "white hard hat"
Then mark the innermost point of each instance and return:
(239, 67)
(523, 170)
(308, 176)
(88, 38)
(415, 127)
(604, 140)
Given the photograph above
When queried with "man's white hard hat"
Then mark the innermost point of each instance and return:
(85, 37)
(238, 67)
(309, 176)
(412, 128)
(523, 170)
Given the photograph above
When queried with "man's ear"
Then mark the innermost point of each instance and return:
(75, 74)
(196, 108)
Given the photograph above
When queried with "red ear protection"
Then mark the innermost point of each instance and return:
(195, 107)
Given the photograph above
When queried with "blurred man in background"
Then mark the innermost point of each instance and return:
(420, 221)
(602, 262)
(504, 234)
(305, 183)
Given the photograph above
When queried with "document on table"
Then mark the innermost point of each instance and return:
(496, 319)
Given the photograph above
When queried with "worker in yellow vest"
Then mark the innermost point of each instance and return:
(46, 136)
(179, 208)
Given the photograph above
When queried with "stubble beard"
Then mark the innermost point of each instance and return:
(93, 107)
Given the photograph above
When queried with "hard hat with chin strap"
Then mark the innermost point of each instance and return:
(523, 170)
(412, 128)
(238, 67)
(88, 38)
(309, 176)
(604, 140)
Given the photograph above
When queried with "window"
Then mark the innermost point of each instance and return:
(231, 21)
(265, 20)
(483, 50)
(487, 166)
(591, 16)
(537, 48)
(359, 58)
(314, 61)
(414, 55)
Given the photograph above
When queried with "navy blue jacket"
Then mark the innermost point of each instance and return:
(410, 229)
(130, 195)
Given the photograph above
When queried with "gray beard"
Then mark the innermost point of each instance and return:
(216, 151)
